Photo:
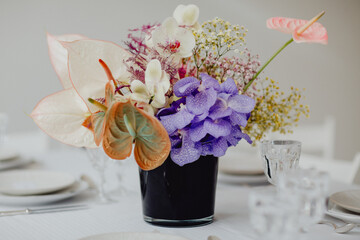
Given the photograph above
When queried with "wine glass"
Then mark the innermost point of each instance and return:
(279, 156)
(100, 161)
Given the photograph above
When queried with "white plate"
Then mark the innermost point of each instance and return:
(241, 163)
(73, 190)
(349, 200)
(16, 162)
(133, 236)
(342, 214)
(31, 182)
(7, 154)
(242, 179)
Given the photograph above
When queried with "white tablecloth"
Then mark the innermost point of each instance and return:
(231, 212)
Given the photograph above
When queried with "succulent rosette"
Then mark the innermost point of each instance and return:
(206, 119)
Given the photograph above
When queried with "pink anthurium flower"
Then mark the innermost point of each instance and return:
(316, 33)
(301, 30)
(59, 55)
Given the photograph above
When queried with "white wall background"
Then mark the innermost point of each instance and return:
(331, 74)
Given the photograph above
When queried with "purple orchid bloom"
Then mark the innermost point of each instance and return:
(207, 119)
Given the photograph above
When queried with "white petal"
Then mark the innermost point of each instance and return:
(191, 15)
(169, 26)
(186, 15)
(164, 82)
(153, 70)
(178, 13)
(86, 73)
(138, 87)
(152, 74)
(59, 56)
(159, 99)
(60, 116)
(187, 42)
(139, 91)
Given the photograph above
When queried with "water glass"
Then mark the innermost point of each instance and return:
(310, 187)
(272, 215)
(279, 156)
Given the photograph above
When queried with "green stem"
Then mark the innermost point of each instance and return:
(267, 63)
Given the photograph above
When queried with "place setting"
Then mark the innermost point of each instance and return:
(38, 187)
(344, 206)
(300, 197)
(9, 157)
(241, 166)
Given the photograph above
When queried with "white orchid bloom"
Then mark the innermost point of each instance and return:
(186, 15)
(174, 39)
(156, 85)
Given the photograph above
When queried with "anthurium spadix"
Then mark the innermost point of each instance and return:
(59, 55)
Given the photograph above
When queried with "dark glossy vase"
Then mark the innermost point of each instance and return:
(180, 196)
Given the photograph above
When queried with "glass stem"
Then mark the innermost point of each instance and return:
(267, 63)
(102, 195)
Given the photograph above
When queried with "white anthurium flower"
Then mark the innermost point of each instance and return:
(61, 115)
(59, 55)
(176, 40)
(156, 85)
(186, 15)
(87, 74)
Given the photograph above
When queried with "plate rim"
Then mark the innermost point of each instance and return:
(354, 209)
(25, 192)
(14, 154)
(12, 200)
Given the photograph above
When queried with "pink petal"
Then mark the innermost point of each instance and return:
(281, 24)
(59, 57)
(87, 74)
(61, 115)
(316, 33)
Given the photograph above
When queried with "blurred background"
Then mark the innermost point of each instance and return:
(330, 73)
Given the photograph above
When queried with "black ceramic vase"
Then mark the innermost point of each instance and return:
(180, 196)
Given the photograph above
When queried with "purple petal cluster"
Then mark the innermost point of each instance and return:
(206, 119)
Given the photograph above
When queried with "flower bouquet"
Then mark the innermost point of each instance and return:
(178, 95)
